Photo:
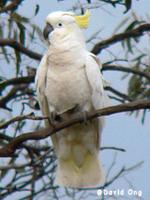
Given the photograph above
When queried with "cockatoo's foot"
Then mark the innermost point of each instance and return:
(52, 116)
(85, 119)
(85, 109)
(54, 119)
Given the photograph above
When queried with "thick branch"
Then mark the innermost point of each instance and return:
(10, 148)
(19, 47)
(121, 36)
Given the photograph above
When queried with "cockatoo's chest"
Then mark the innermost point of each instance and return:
(66, 88)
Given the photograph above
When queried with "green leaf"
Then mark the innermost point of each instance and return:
(36, 9)
(128, 42)
(3, 174)
(132, 25)
(128, 4)
(129, 45)
(138, 58)
(89, 1)
(21, 125)
(10, 27)
(36, 29)
(15, 35)
(18, 18)
(4, 51)
(135, 87)
(143, 116)
(18, 61)
(2, 78)
(1, 31)
(22, 32)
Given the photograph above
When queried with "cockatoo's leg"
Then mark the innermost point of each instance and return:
(84, 109)
(85, 117)
(52, 116)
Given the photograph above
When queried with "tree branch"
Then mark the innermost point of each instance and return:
(11, 95)
(126, 69)
(16, 81)
(11, 6)
(20, 118)
(121, 36)
(10, 148)
(19, 47)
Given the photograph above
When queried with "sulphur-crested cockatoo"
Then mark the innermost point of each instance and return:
(69, 81)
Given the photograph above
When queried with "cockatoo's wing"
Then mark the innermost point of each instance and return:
(40, 82)
(96, 81)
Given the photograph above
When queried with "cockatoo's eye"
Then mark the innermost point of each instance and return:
(59, 24)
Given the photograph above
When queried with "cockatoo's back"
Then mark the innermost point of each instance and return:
(68, 82)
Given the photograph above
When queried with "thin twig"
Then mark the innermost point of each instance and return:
(113, 148)
(29, 116)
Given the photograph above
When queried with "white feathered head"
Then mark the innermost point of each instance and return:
(65, 23)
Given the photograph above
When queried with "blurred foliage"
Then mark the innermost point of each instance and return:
(126, 3)
(138, 86)
(20, 28)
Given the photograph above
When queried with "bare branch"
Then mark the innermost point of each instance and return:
(126, 69)
(29, 116)
(121, 36)
(11, 6)
(16, 81)
(4, 100)
(10, 148)
(12, 94)
(19, 47)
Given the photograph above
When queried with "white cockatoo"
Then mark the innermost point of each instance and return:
(68, 81)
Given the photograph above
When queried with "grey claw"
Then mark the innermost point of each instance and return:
(52, 119)
(85, 113)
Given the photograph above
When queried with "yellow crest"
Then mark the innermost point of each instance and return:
(83, 20)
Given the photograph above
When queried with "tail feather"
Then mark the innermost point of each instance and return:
(89, 174)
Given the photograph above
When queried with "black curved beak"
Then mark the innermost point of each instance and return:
(47, 30)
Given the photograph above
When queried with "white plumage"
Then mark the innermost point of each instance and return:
(69, 81)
